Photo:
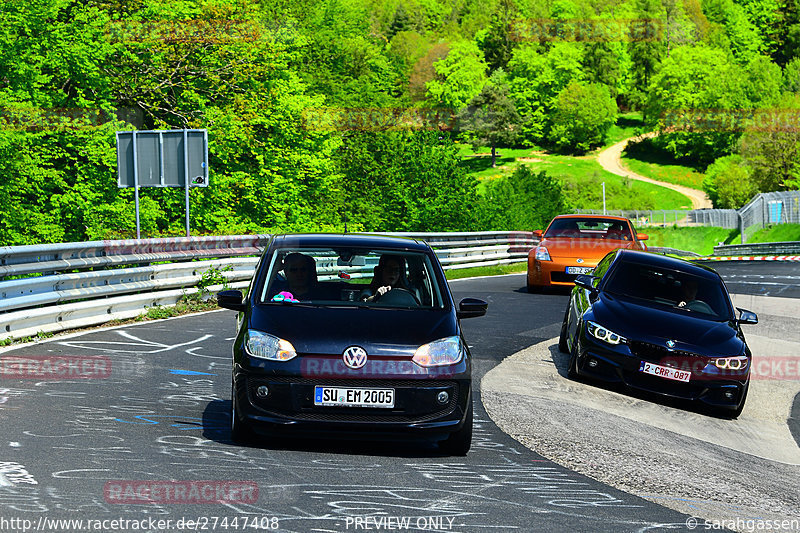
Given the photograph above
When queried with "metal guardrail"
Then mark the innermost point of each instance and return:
(766, 248)
(54, 287)
(672, 251)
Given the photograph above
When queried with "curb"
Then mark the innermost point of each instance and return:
(750, 258)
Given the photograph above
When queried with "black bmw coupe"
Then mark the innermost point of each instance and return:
(355, 336)
(662, 325)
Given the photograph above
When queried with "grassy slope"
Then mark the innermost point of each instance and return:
(665, 170)
(693, 239)
(779, 233)
(628, 125)
(582, 175)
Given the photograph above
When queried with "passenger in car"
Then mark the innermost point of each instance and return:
(300, 271)
(617, 232)
(388, 274)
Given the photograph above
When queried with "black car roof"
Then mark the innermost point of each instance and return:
(366, 240)
(663, 261)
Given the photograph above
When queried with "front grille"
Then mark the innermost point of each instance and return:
(562, 277)
(655, 353)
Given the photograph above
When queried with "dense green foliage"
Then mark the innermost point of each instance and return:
(318, 111)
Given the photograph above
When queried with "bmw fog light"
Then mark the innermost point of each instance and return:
(443, 397)
(262, 391)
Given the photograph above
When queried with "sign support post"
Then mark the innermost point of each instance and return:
(186, 176)
(136, 187)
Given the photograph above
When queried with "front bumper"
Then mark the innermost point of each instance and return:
(554, 273)
(289, 406)
(621, 364)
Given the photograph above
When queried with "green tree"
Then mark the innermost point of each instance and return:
(523, 201)
(728, 183)
(405, 181)
(583, 116)
(646, 51)
(693, 87)
(535, 81)
(490, 119)
(459, 77)
(498, 44)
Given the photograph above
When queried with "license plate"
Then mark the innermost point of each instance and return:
(665, 372)
(579, 270)
(347, 397)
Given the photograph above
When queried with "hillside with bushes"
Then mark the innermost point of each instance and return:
(333, 110)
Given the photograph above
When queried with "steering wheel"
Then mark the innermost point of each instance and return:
(699, 306)
(398, 296)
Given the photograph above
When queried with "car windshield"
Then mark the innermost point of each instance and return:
(679, 291)
(357, 277)
(589, 228)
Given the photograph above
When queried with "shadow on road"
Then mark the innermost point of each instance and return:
(216, 427)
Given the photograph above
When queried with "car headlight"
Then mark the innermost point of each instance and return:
(732, 363)
(447, 351)
(265, 346)
(541, 254)
(606, 335)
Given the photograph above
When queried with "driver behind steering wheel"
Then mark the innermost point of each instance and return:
(390, 273)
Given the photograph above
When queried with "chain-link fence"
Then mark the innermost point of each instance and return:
(764, 209)
(769, 208)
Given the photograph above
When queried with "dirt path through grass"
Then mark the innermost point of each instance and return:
(610, 159)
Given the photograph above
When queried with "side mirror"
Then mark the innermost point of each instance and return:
(586, 281)
(471, 308)
(642, 236)
(232, 300)
(747, 317)
(537, 233)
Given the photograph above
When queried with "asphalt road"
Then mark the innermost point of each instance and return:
(161, 413)
(779, 279)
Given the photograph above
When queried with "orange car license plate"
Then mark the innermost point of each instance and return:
(579, 270)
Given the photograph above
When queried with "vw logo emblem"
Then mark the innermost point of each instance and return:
(579, 260)
(670, 344)
(355, 357)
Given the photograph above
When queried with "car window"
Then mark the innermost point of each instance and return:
(602, 266)
(676, 290)
(589, 228)
(351, 277)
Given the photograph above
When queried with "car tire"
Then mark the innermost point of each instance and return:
(562, 338)
(459, 442)
(534, 289)
(240, 431)
(572, 368)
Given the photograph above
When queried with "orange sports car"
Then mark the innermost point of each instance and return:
(573, 244)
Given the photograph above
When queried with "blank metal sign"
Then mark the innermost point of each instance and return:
(161, 156)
